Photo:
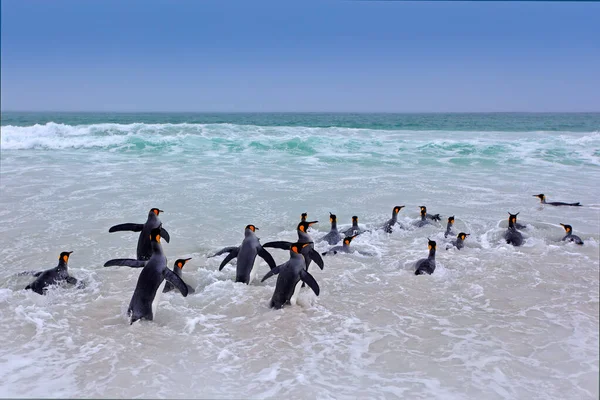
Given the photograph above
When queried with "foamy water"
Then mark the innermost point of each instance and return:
(493, 321)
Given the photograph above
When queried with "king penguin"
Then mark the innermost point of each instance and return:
(309, 253)
(427, 265)
(178, 269)
(144, 248)
(449, 227)
(555, 203)
(512, 235)
(389, 226)
(333, 237)
(570, 237)
(54, 275)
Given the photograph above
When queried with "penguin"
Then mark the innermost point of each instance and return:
(427, 265)
(458, 243)
(388, 226)
(53, 275)
(290, 275)
(144, 248)
(177, 269)
(303, 217)
(354, 229)
(145, 298)
(333, 237)
(570, 237)
(246, 254)
(555, 203)
(309, 253)
(424, 217)
(512, 235)
(449, 227)
(345, 248)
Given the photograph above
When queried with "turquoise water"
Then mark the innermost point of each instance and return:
(493, 321)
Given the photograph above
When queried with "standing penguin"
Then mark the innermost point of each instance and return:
(333, 237)
(512, 235)
(246, 254)
(144, 301)
(570, 237)
(309, 253)
(345, 248)
(54, 275)
(144, 248)
(459, 242)
(555, 203)
(427, 265)
(449, 227)
(303, 217)
(354, 229)
(388, 227)
(177, 269)
(290, 275)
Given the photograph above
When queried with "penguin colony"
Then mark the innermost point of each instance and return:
(155, 276)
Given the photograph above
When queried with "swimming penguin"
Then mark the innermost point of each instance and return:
(144, 248)
(345, 248)
(145, 298)
(449, 227)
(388, 226)
(427, 265)
(458, 243)
(555, 203)
(570, 237)
(246, 254)
(53, 275)
(333, 237)
(354, 229)
(290, 276)
(309, 253)
(177, 269)
(424, 217)
(512, 235)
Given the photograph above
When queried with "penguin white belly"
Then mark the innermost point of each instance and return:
(157, 297)
(297, 288)
(253, 273)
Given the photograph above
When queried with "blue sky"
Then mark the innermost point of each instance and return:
(356, 56)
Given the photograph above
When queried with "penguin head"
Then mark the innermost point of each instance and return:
(332, 217)
(251, 227)
(463, 236)
(568, 228)
(297, 247)
(397, 210)
(303, 216)
(512, 218)
(181, 262)
(451, 220)
(155, 211)
(355, 219)
(431, 244)
(423, 210)
(64, 256)
(348, 239)
(303, 225)
(541, 196)
(155, 234)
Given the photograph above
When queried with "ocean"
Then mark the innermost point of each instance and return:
(493, 321)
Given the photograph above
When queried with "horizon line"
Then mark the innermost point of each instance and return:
(297, 112)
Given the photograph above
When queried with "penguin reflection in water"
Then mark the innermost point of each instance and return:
(246, 254)
(290, 275)
(144, 301)
(58, 274)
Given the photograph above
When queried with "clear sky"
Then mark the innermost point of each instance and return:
(92, 55)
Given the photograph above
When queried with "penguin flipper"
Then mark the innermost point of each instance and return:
(191, 289)
(435, 217)
(172, 277)
(165, 234)
(126, 227)
(232, 254)
(265, 255)
(126, 262)
(225, 250)
(310, 281)
(278, 245)
(272, 272)
(316, 257)
(71, 280)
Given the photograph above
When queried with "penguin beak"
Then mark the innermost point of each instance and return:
(187, 259)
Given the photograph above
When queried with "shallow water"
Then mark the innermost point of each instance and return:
(493, 321)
